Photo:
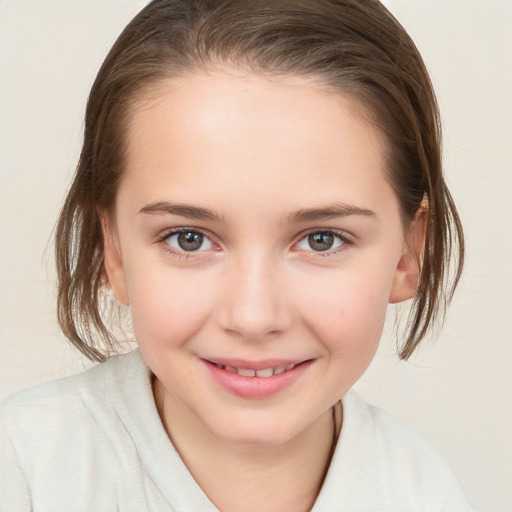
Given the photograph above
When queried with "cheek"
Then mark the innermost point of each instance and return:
(168, 306)
(347, 310)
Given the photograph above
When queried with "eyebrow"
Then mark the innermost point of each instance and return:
(183, 210)
(334, 211)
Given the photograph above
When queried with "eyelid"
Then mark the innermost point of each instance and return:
(347, 239)
(166, 234)
(335, 231)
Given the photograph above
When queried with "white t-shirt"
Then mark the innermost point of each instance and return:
(94, 442)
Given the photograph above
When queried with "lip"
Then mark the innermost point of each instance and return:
(255, 365)
(255, 387)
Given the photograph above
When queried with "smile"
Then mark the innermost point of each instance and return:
(256, 379)
(263, 373)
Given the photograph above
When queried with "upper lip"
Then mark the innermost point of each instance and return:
(254, 365)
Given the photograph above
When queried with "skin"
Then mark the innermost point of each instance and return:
(256, 152)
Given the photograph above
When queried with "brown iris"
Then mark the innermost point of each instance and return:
(190, 241)
(321, 241)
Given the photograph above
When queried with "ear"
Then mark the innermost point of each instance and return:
(112, 260)
(407, 275)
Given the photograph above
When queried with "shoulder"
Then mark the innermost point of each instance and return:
(403, 471)
(50, 410)
(71, 392)
(55, 435)
(386, 434)
(66, 412)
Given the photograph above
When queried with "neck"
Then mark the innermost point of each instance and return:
(275, 478)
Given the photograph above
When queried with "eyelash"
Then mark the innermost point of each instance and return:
(162, 241)
(345, 242)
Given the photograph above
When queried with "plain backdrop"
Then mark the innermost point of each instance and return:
(457, 390)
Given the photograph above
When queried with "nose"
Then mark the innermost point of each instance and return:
(255, 304)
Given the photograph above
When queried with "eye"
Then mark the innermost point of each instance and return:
(188, 240)
(321, 241)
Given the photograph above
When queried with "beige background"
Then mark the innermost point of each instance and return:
(458, 390)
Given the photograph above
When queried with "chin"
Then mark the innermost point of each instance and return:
(256, 434)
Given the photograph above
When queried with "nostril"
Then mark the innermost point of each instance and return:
(253, 309)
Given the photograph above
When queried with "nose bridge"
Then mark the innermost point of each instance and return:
(255, 303)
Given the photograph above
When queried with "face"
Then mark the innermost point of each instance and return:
(258, 243)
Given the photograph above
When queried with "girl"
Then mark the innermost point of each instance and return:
(258, 180)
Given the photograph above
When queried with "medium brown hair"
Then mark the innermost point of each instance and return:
(354, 46)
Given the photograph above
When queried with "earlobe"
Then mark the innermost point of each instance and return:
(113, 262)
(407, 274)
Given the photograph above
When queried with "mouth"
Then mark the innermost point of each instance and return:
(256, 379)
(263, 373)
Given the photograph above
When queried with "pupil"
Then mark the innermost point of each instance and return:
(321, 241)
(190, 241)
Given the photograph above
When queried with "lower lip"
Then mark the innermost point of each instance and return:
(256, 387)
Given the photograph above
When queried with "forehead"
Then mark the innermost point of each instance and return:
(249, 135)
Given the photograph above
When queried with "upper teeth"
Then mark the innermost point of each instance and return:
(247, 372)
